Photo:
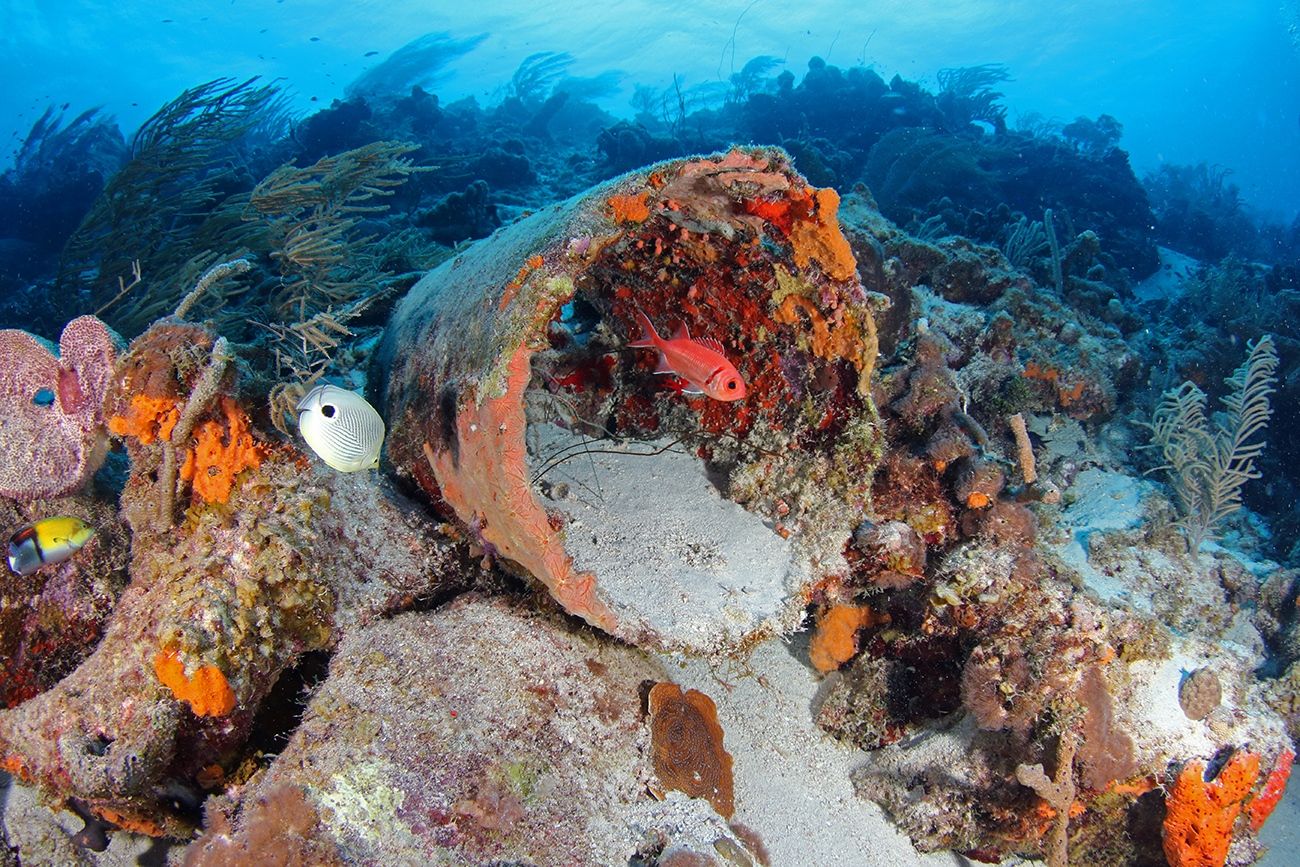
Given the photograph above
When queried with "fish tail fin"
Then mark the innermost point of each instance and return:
(649, 338)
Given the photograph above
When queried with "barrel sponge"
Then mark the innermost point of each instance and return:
(53, 437)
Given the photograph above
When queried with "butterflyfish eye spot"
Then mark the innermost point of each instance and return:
(327, 410)
(43, 397)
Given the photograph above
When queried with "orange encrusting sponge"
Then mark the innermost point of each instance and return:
(207, 691)
(629, 208)
(835, 640)
(148, 419)
(220, 453)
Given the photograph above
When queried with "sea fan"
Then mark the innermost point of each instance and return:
(1208, 468)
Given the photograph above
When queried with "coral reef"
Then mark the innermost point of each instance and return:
(935, 467)
(220, 604)
(986, 657)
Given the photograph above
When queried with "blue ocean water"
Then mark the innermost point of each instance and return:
(1191, 83)
(1159, 140)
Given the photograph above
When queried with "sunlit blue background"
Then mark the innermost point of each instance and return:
(1190, 82)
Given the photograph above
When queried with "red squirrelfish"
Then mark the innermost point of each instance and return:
(700, 362)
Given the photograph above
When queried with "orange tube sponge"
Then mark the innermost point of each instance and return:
(220, 453)
(1199, 815)
(835, 640)
(1262, 807)
(207, 691)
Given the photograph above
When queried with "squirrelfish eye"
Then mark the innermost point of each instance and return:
(731, 385)
(327, 410)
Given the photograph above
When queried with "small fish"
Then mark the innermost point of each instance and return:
(700, 362)
(341, 427)
(48, 541)
(371, 53)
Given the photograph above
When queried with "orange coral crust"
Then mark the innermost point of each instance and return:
(516, 283)
(1065, 394)
(128, 822)
(835, 640)
(1262, 807)
(686, 742)
(630, 208)
(977, 500)
(221, 453)
(1199, 815)
(207, 691)
(808, 218)
(486, 483)
(15, 765)
(148, 419)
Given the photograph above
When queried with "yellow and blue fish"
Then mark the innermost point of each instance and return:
(48, 541)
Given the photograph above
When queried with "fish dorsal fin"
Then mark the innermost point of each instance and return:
(682, 332)
(711, 343)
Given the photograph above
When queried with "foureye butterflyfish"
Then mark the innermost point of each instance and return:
(341, 427)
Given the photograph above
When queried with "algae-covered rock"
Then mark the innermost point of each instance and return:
(479, 733)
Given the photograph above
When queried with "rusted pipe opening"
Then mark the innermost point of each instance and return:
(667, 518)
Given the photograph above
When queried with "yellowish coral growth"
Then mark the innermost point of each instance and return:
(816, 235)
(847, 332)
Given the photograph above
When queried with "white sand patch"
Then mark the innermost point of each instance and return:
(1099, 500)
(1159, 726)
(1170, 281)
(1161, 730)
(791, 779)
(670, 553)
